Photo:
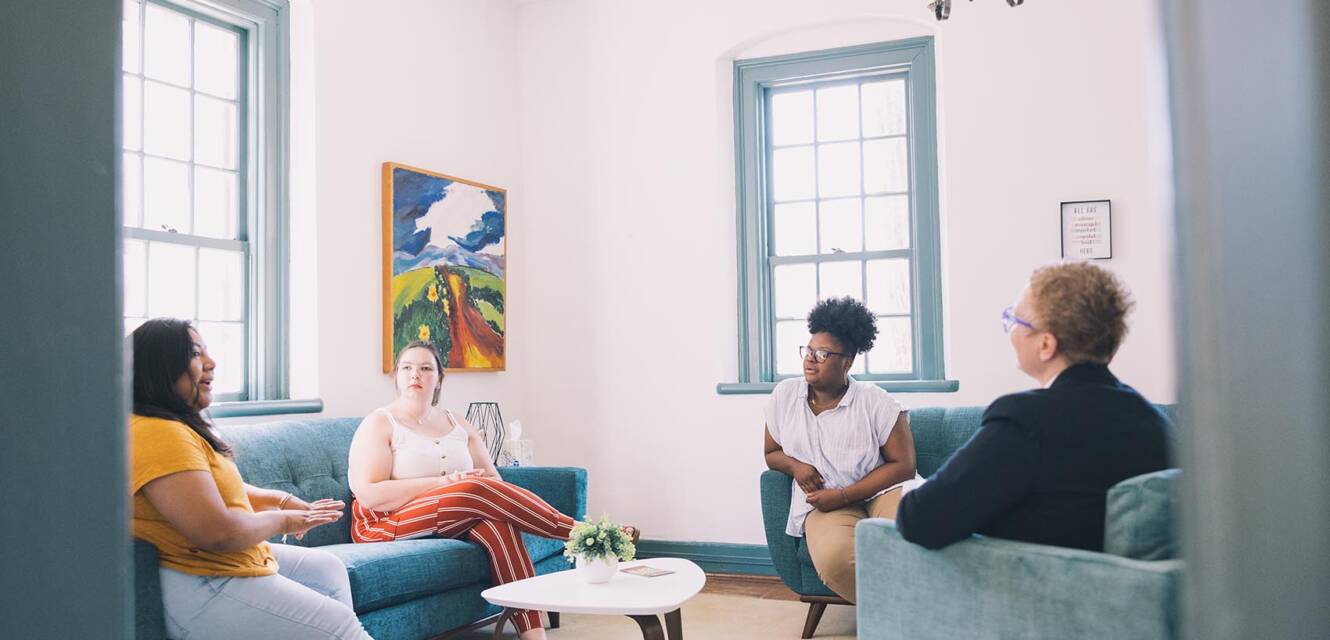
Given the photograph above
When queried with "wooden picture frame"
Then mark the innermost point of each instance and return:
(445, 250)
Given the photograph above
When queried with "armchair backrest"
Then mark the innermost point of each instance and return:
(939, 431)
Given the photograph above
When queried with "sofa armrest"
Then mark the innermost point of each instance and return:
(992, 588)
(784, 548)
(149, 617)
(563, 487)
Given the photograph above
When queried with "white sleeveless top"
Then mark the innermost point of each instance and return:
(419, 456)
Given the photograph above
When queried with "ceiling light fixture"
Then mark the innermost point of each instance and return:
(942, 8)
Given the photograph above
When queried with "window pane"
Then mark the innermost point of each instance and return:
(226, 346)
(216, 203)
(887, 220)
(166, 45)
(792, 118)
(839, 279)
(795, 229)
(838, 169)
(792, 174)
(165, 121)
(893, 351)
(795, 289)
(133, 323)
(221, 285)
(889, 286)
(885, 166)
(166, 195)
(838, 113)
(170, 280)
(840, 221)
(215, 60)
(132, 116)
(136, 278)
(790, 336)
(129, 24)
(216, 132)
(884, 108)
(131, 190)
(860, 364)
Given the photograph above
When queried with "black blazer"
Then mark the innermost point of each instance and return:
(1040, 465)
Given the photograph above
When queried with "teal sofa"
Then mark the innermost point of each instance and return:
(407, 590)
(992, 588)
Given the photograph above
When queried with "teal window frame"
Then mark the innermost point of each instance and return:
(263, 227)
(754, 81)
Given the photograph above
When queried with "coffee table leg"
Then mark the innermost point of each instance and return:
(674, 625)
(650, 627)
(507, 614)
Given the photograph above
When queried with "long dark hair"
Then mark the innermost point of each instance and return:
(162, 352)
(438, 363)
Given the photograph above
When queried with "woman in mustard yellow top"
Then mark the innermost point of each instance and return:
(220, 578)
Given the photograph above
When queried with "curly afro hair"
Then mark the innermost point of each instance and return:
(847, 320)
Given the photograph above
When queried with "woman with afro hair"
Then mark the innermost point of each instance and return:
(845, 443)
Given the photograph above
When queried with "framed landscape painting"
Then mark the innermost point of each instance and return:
(444, 256)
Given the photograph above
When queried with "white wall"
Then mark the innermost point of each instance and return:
(610, 123)
(420, 82)
(628, 190)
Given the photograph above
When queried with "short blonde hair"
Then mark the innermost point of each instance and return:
(1084, 306)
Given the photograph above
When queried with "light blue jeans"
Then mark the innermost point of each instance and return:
(308, 598)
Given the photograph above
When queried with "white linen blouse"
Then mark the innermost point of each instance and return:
(843, 443)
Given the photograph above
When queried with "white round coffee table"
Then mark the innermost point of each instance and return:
(637, 597)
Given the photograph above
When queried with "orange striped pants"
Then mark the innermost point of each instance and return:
(487, 511)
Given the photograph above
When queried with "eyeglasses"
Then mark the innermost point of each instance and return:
(819, 355)
(1010, 320)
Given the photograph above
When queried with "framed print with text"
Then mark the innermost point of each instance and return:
(1087, 232)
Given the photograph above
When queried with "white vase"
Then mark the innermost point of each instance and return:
(597, 570)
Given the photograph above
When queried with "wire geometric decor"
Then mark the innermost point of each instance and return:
(489, 422)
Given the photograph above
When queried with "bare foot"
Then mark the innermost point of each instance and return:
(537, 633)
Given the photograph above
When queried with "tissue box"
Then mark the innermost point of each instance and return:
(516, 453)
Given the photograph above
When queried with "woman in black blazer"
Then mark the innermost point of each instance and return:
(1040, 465)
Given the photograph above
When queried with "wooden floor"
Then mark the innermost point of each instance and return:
(763, 587)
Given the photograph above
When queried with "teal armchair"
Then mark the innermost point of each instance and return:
(990, 588)
(937, 433)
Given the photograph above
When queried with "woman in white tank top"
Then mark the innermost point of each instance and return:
(417, 470)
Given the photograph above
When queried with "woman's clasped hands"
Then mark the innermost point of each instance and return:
(458, 476)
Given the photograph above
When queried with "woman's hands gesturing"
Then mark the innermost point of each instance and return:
(299, 521)
(301, 516)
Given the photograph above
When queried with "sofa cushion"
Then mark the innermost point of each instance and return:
(1139, 517)
(540, 548)
(387, 573)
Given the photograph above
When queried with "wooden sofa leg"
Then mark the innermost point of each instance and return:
(554, 619)
(815, 611)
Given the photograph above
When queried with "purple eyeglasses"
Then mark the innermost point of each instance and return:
(1009, 320)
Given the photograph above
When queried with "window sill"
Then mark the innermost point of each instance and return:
(894, 386)
(264, 408)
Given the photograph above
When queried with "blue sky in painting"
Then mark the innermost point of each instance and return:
(413, 195)
(436, 220)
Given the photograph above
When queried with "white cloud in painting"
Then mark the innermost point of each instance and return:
(461, 207)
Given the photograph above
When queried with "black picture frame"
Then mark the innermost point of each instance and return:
(1108, 228)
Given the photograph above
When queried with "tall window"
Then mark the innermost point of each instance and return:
(204, 198)
(838, 197)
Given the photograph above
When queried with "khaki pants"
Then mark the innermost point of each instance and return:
(830, 539)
